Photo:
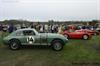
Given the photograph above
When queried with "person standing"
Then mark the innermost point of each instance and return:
(11, 28)
(60, 29)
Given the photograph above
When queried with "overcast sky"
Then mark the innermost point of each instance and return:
(44, 10)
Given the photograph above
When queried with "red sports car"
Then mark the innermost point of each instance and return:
(92, 32)
(77, 35)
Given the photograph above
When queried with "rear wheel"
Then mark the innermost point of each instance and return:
(57, 45)
(85, 37)
(95, 34)
(14, 44)
(66, 36)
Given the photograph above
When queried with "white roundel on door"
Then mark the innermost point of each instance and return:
(30, 40)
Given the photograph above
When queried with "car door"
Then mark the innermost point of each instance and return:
(44, 39)
(75, 34)
(30, 38)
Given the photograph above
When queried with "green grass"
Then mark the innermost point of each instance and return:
(76, 51)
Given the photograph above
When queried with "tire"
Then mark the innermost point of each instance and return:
(57, 45)
(95, 34)
(66, 35)
(14, 44)
(85, 37)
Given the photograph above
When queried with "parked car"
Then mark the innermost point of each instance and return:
(77, 35)
(30, 36)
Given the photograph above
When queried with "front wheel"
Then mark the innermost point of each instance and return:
(57, 45)
(85, 37)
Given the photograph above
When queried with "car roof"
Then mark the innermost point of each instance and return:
(26, 29)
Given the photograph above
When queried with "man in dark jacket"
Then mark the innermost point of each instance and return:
(11, 28)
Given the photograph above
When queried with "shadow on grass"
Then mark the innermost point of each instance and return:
(28, 48)
(36, 47)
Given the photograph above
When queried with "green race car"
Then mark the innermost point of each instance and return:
(30, 36)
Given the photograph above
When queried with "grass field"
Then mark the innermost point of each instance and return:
(75, 53)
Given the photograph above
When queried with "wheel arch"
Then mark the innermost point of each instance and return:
(57, 39)
(14, 39)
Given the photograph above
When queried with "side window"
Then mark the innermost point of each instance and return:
(28, 32)
(19, 33)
